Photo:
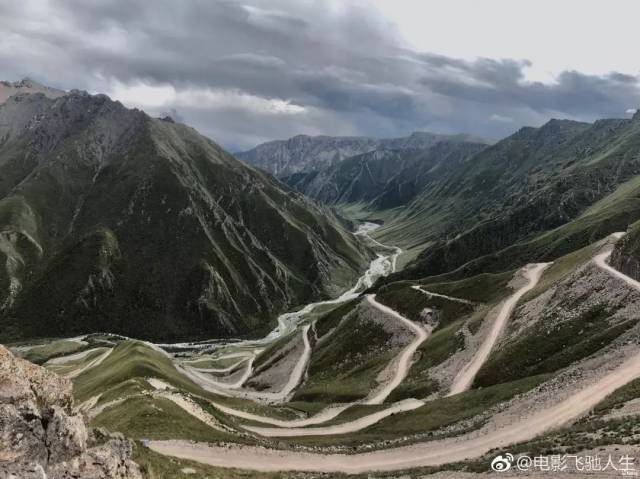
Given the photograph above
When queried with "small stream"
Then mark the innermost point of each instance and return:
(382, 265)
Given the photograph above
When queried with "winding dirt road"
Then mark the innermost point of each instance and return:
(91, 364)
(299, 427)
(248, 370)
(336, 429)
(601, 261)
(226, 370)
(405, 358)
(403, 361)
(298, 371)
(71, 357)
(291, 427)
(465, 377)
(226, 389)
(324, 416)
(433, 453)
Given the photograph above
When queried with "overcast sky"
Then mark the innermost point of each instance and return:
(248, 71)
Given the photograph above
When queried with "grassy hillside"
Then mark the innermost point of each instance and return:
(128, 361)
(539, 180)
(613, 213)
(483, 291)
(582, 312)
(347, 358)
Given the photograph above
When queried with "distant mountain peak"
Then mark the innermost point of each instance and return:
(29, 86)
(556, 123)
(27, 82)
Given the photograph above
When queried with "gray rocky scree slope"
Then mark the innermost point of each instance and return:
(41, 436)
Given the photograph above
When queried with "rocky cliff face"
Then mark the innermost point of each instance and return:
(41, 436)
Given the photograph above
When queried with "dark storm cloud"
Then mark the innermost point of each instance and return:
(501, 84)
(248, 72)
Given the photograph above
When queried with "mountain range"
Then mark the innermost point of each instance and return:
(456, 204)
(89, 183)
(384, 178)
(509, 316)
(575, 180)
(305, 154)
(88, 191)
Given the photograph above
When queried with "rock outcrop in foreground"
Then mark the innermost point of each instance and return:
(42, 437)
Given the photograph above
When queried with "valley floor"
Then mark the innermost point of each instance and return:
(353, 385)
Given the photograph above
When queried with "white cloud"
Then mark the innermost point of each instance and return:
(254, 59)
(234, 99)
(154, 98)
(141, 95)
(501, 118)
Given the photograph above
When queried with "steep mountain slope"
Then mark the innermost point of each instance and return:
(303, 154)
(537, 180)
(88, 193)
(384, 178)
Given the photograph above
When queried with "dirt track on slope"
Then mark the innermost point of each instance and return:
(420, 455)
(95, 362)
(433, 453)
(292, 428)
(443, 296)
(465, 377)
(405, 358)
(336, 429)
